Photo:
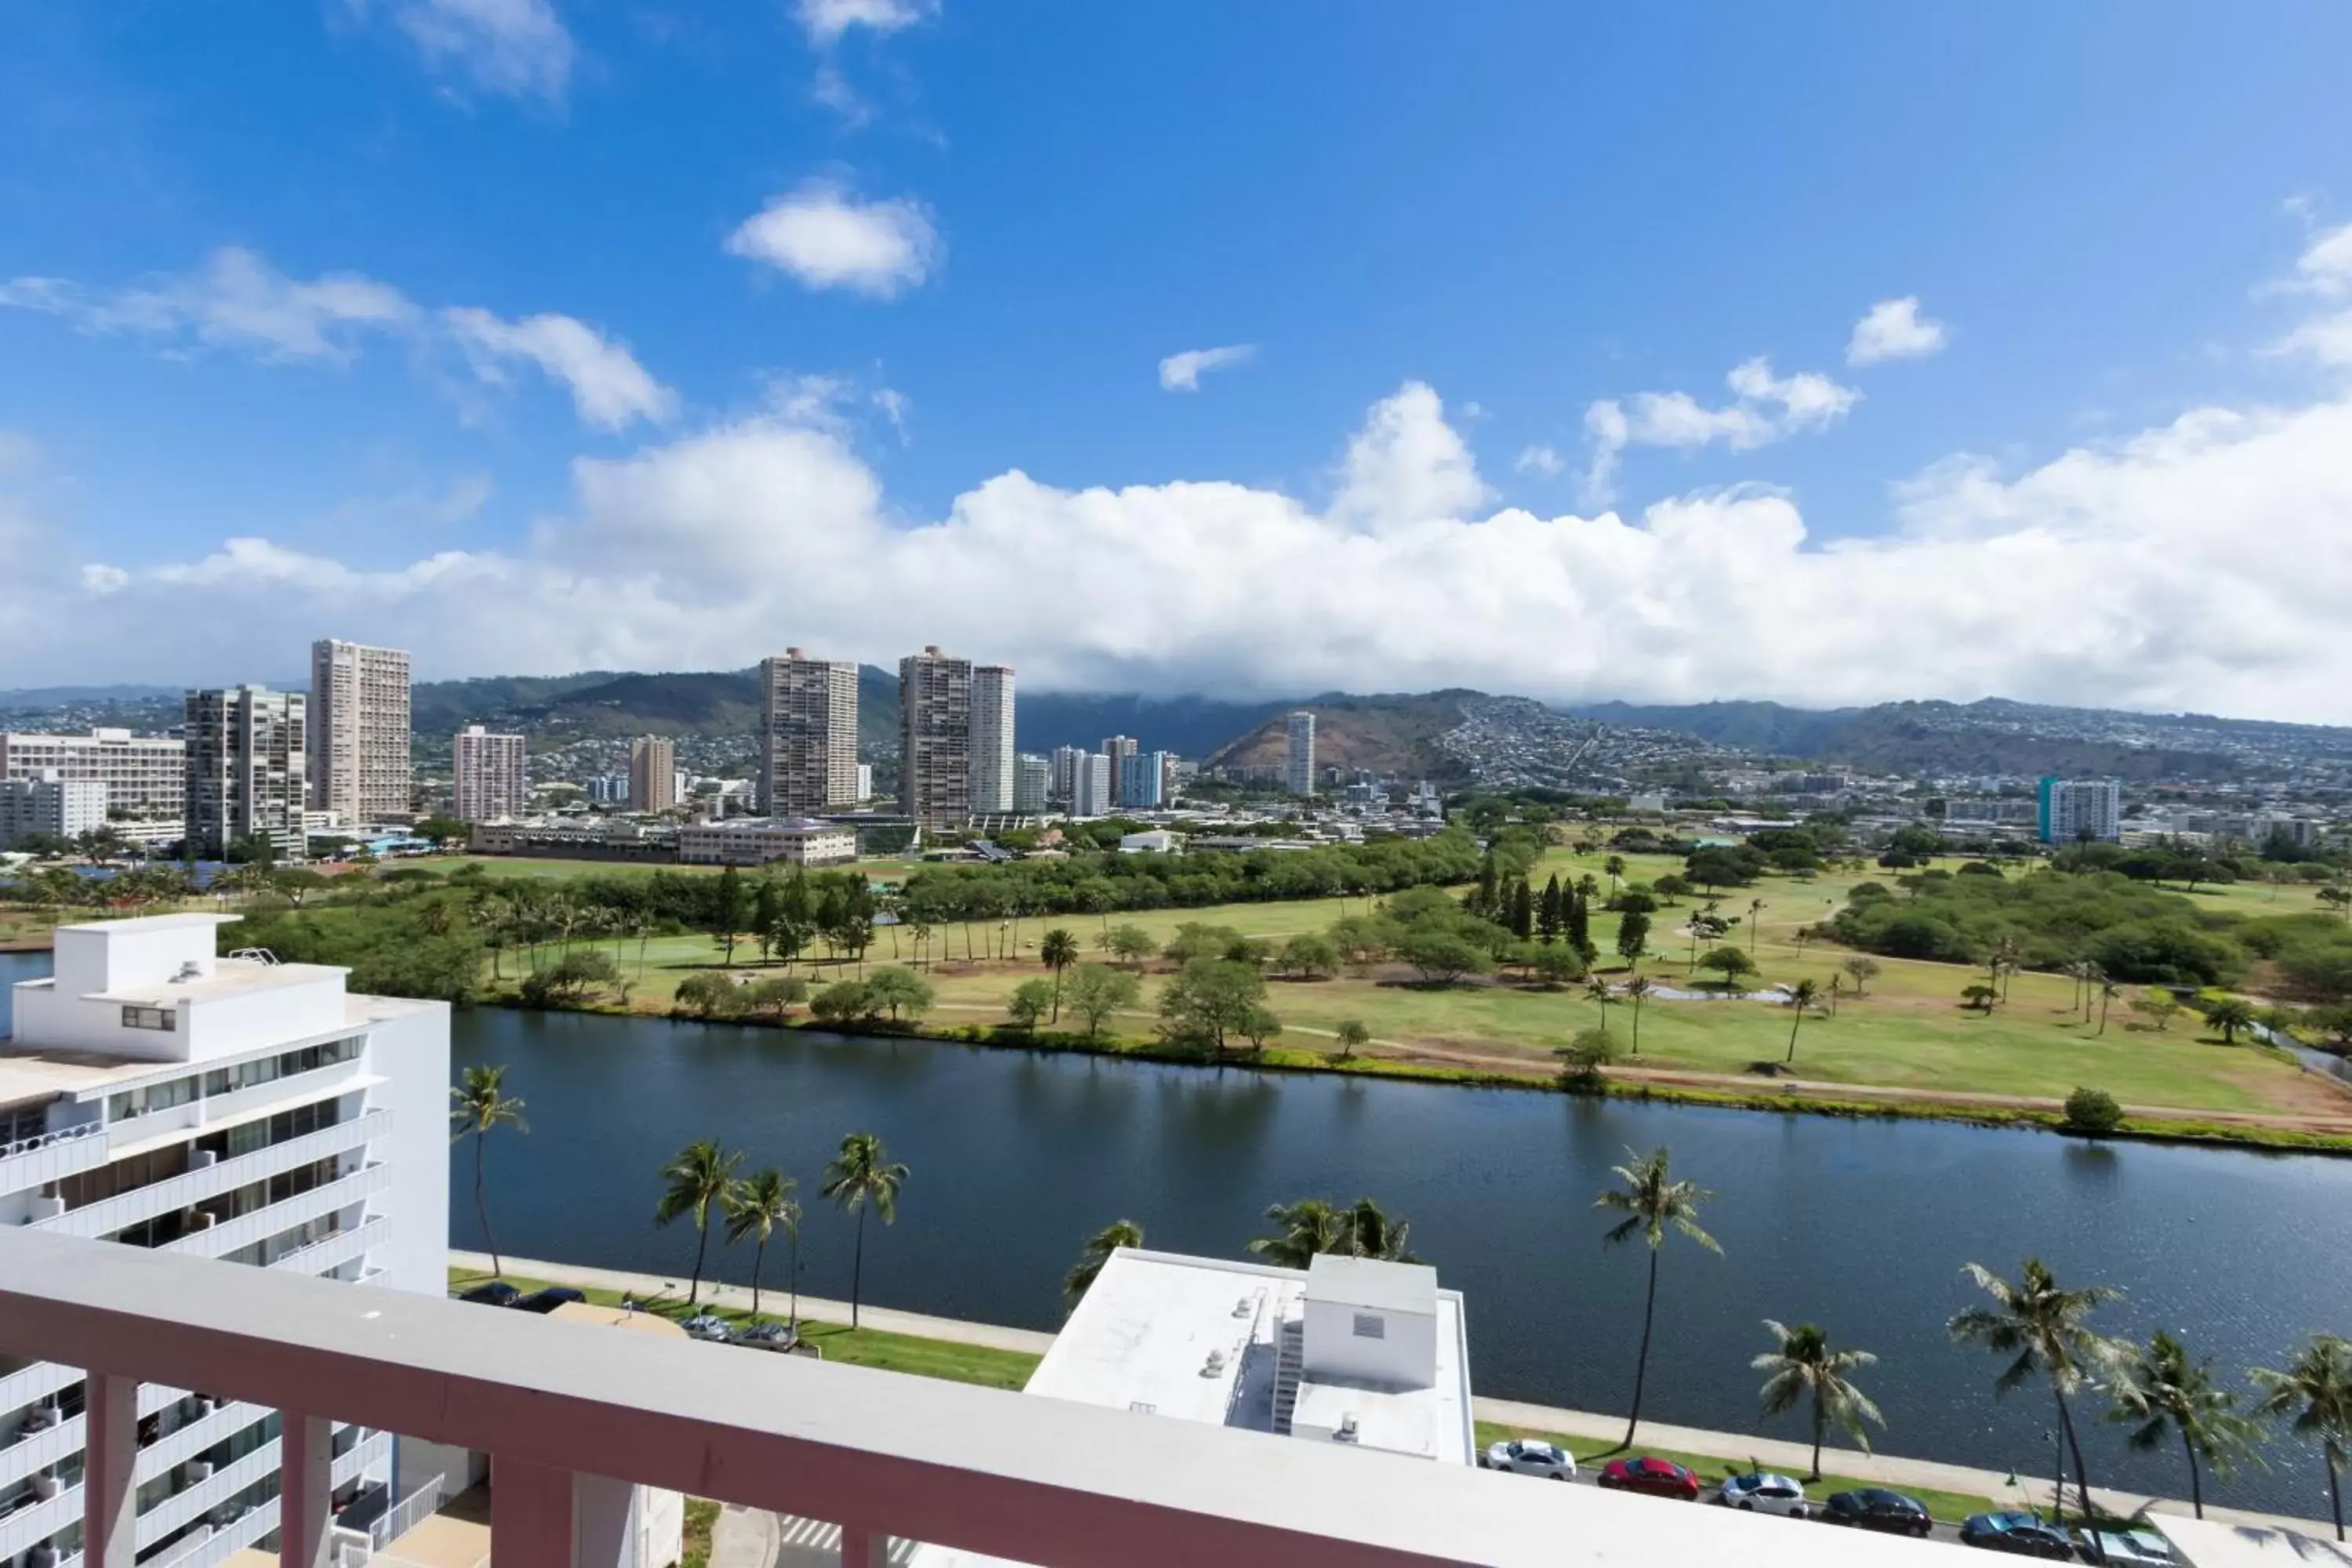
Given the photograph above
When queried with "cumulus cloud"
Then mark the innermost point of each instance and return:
(1542, 459)
(1182, 371)
(1766, 408)
(825, 21)
(2325, 271)
(518, 47)
(608, 386)
(1894, 329)
(823, 236)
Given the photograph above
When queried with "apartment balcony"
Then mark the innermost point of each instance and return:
(108, 1215)
(53, 1156)
(567, 1410)
(263, 1223)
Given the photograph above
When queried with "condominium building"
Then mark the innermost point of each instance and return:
(935, 739)
(1298, 761)
(1033, 778)
(146, 775)
(205, 1108)
(808, 734)
(248, 774)
(992, 737)
(1063, 777)
(492, 781)
(758, 840)
(1090, 787)
(2068, 811)
(653, 773)
(358, 731)
(50, 805)
(1143, 781)
(1118, 748)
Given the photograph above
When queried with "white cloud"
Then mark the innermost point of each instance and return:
(1182, 371)
(1894, 329)
(2325, 267)
(1542, 459)
(519, 48)
(825, 21)
(608, 386)
(1768, 408)
(823, 234)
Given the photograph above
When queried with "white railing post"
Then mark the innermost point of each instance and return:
(531, 1514)
(306, 1460)
(110, 1497)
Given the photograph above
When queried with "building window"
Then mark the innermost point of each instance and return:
(1371, 1326)
(164, 1018)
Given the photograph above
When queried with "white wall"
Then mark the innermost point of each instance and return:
(409, 1049)
(1404, 1356)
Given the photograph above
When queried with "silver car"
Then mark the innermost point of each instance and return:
(1529, 1456)
(1764, 1492)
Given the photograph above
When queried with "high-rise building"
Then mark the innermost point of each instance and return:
(864, 783)
(1064, 778)
(808, 734)
(224, 1109)
(1118, 748)
(1090, 787)
(1142, 780)
(992, 737)
(1299, 764)
(935, 739)
(492, 781)
(2071, 810)
(56, 807)
(1033, 778)
(248, 774)
(653, 773)
(358, 731)
(146, 775)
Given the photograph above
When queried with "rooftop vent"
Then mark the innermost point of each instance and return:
(1215, 1366)
(1242, 1307)
(1347, 1433)
(188, 971)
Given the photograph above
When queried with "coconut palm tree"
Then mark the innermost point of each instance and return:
(1597, 991)
(1801, 996)
(2159, 1391)
(2044, 1331)
(479, 1106)
(862, 1176)
(1306, 1228)
(757, 1207)
(1652, 1203)
(1058, 950)
(2229, 1017)
(2316, 1390)
(1097, 1252)
(1755, 922)
(1637, 988)
(1373, 1234)
(1805, 1367)
(700, 1176)
(1615, 867)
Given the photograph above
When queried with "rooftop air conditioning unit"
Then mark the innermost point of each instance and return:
(200, 1469)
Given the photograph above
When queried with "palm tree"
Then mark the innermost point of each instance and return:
(860, 1177)
(1059, 950)
(1596, 991)
(1097, 1252)
(1755, 922)
(1310, 1227)
(2316, 1389)
(1652, 1202)
(1801, 995)
(2045, 1331)
(2228, 1016)
(1804, 1366)
(479, 1105)
(1373, 1234)
(1615, 867)
(2108, 992)
(2160, 1390)
(1637, 988)
(756, 1206)
(698, 1177)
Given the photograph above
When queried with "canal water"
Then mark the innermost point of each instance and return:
(1862, 1225)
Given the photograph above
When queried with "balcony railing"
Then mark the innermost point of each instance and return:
(273, 1219)
(108, 1215)
(567, 1410)
(52, 1157)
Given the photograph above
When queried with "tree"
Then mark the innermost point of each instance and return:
(1028, 1005)
(479, 1106)
(1372, 1233)
(1636, 989)
(2159, 1008)
(710, 996)
(1801, 997)
(1129, 944)
(1556, 965)
(1597, 991)
(569, 980)
(1755, 923)
(2108, 992)
(757, 1206)
(1861, 970)
(1209, 1000)
(2314, 1391)
(1057, 951)
(1578, 926)
(899, 991)
(2158, 1391)
(1980, 997)
(1804, 1367)
(1615, 867)
(730, 908)
(1652, 1203)
(1096, 991)
(775, 995)
(700, 1176)
(2093, 1112)
(1582, 1061)
(1633, 935)
(1442, 956)
(862, 1176)
(2045, 1331)
(1353, 1037)
(842, 1002)
(1304, 1229)
(1551, 912)
(1310, 955)
(1094, 1253)
(1731, 962)
(2229, 1017)
(1671, 887)
(2337, 897)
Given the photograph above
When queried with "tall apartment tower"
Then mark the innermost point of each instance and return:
(1032, 781)
(492, 782)
(653, 773)
(1090, 787)
(218, 1108)
(1062, 777)
(248, 769)
(992, 737)
(2067, 810)
(808, 734)
(1299, 764)
(358, 731)
(1118, 748)
(935, 739)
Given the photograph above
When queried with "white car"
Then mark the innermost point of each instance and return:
(1764, 1492)
(1526, 1457)
(708, 1326)
(2138, 1546)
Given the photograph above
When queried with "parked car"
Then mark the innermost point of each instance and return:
(2019, 1534)
(1764, 1492)
(547, 1299)
(1527, 1457)
(708, 1326)
(1652, 1476)
(1875, 1508)
(767, 1337)
(497, 1293)
(2129, 1546)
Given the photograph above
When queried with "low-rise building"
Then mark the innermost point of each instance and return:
(1151, 841)
(758, 840)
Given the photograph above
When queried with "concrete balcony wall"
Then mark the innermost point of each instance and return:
(261, 1224)
(37, 1161)
(108, 1215)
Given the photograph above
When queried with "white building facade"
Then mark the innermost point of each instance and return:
(756, 841)
(217, 1107)
(2071, 810)
(808, 734)
(146, 775)
(358, 731)
(992, 739)
(1298, 759)
(249, 770)
(492, 781)
(1033, 783)
(1090, 779)
(58, 807)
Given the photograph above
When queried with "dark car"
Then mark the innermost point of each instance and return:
(1875, 1508)
(2019, 1534)
(497, 1293)
(548, 1298)
(1652, 1476)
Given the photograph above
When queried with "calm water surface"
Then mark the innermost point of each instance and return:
(1017, 1157)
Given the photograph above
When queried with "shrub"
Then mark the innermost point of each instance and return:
(1581, 1060)
(2093, 1112)
(840, 1002)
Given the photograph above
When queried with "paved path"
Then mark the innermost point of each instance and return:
(744, 1538)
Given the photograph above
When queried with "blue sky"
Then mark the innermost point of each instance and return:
(543, 334)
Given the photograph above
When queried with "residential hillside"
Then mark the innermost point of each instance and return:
(1387, 734)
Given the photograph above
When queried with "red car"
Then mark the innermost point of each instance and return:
(1655, 1476)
